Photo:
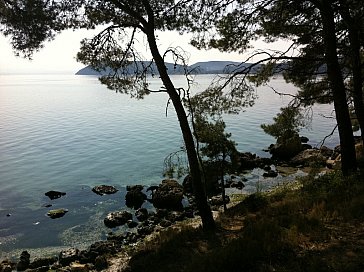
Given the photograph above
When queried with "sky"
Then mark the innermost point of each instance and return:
(59, 56)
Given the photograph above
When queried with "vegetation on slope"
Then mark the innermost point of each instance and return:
(316, 224)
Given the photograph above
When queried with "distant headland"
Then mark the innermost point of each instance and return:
(206, 67)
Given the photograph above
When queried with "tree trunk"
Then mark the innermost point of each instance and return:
(199, 190)
(353, 26)
(348, 158)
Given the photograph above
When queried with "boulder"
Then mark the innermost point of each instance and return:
(132, 224)
(134, 188)
(304, 139)
(309, 157)
(101, 263)
(7, 266)
(326, 152)
(270, 174)
(218, 200)
(135, 198)
(165, 223)
(57, 213)
(78, 267)
(187, 185)
(68, 256)
(169, 195)
(142, 214)
(238, 184)
(42, 262)
(104, 190)
(145, 230)
(119, 218)
(248, 161)
(54, 194)
(24, 261)
(286, 149)
(174, 216)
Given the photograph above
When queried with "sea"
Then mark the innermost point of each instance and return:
(69, 133)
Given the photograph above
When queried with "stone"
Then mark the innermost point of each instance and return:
(119, 218)
(309, 157)
(104, 190)
(304, 139)
(78, 267)
(6, 268)
(169, 195)
(165, 223)
(286, 149)
(145, 230)
(134, 197)
(142, 214)
(218, 200)
(42, 262)
(134, 188)
(132, 224)
(237, 184)
(24, 261)
(187, 184)
(174, 216)
(270, 174)
(57, 213)
(54, 194)
(101, 263)
(68, 256)
(326, 152)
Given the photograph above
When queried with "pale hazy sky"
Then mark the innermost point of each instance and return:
(58, 56)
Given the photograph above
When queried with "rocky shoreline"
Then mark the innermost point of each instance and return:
(167, 198)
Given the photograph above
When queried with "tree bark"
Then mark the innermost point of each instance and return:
(198, 187)
(353, 26)
(348, 157)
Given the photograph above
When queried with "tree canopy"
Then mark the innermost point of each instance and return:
(323, 57)
(30, 23)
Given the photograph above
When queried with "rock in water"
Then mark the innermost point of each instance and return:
(104, 190)
(67, 256)
(169, 195)
(57, 213)
(54, 194)
(115, 219)
(135, 198)
(24, 261)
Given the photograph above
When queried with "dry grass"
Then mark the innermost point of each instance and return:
(317, 225)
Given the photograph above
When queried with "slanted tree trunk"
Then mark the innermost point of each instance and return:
(199, 190)
(348, 158)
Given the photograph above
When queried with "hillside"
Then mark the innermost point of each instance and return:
(207, 67)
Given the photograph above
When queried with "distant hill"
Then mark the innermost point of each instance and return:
(207, 67)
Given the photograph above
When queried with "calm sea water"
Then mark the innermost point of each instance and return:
(69, 133)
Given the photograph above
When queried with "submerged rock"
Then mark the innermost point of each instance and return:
(57, 213)
(119, 218)
(104, 190)
(54, 194)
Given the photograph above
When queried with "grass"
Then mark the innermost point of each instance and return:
(316, 226)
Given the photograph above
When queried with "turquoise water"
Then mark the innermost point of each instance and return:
(69, 133)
